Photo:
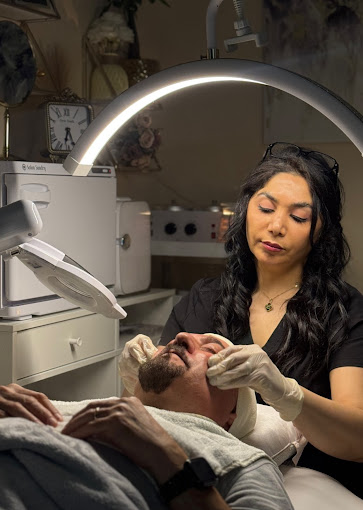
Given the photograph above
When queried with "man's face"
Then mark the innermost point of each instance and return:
(176, 377)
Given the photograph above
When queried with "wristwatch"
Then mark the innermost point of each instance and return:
(196, 473)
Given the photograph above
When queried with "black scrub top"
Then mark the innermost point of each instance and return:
(195, 313)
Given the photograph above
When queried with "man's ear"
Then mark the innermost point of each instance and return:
(231, 418)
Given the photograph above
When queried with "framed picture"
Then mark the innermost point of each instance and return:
(28, 10)
(322, 41)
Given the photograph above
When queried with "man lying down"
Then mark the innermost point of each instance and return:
(165, 447)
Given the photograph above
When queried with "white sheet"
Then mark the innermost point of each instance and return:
(312, 490)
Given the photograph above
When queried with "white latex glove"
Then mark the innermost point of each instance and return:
(136, 352)
(249, 365)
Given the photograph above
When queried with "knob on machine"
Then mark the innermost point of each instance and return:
(190, 229)
(170, 228)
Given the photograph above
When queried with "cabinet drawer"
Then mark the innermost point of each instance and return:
(49, 346)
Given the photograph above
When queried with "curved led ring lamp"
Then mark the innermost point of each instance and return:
(127, 104)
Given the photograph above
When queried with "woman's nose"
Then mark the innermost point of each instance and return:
(277, 226)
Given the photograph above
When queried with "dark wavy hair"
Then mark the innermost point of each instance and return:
(316, 317)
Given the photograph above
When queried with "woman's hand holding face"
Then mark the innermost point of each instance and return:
(249, 365)
(137, 351)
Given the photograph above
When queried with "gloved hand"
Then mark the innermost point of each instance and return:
(136, 352)
(249, 365)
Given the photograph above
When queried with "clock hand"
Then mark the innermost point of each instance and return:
(69, 135)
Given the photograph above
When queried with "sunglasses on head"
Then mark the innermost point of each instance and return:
(277, 150)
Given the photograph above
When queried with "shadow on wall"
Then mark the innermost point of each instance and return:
(182, 272)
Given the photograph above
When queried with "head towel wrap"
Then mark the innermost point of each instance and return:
(246, 408)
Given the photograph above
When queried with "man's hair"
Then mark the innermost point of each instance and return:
(316, 317)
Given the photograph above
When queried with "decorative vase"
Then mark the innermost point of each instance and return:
(138, 69)
(109, 79)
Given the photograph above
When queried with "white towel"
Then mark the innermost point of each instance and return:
(197, 435)
(202, 437)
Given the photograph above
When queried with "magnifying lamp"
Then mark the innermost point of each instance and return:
(20, 221)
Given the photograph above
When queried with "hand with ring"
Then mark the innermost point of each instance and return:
(127, 426)
(16, 401)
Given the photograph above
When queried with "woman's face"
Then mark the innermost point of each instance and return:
(279, 221)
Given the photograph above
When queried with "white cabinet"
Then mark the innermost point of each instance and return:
(73, 355)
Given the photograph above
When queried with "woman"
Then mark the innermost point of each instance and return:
(282, 297)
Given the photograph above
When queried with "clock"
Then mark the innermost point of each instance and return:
(65, 124)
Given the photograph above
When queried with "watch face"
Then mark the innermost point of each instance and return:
(196, 473)
(202, 471)
(65, 124)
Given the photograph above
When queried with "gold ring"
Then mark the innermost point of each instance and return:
(95, 413)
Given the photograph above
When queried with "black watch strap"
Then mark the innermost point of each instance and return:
(196, 473)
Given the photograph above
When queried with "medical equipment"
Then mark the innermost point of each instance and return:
(189, 233)
(133, 257)
(20, 221)
(66, 278)
(77, 216)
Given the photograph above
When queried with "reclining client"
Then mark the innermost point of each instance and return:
(174, 428)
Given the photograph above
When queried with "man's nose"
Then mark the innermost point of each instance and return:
(187, 340)
(277, 225)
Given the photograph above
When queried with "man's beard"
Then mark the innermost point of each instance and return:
(157, 374)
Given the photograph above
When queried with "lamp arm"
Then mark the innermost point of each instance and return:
(126, 105)
(212, 49)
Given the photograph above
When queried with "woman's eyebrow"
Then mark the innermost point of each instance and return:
(266, 194)
(302, 204)
(295, 204)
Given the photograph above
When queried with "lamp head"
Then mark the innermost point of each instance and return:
(19, 222)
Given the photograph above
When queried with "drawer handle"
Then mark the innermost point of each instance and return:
(75, 341)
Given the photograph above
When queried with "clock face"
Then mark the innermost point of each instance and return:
(65, 124)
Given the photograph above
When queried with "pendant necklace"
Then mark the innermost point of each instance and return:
(268, 305)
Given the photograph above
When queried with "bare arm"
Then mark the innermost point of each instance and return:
(336, 426)
(126, 425)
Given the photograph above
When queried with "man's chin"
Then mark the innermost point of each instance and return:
(157, 374)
